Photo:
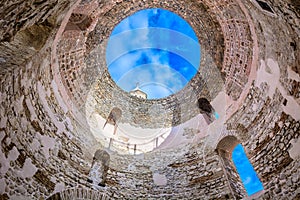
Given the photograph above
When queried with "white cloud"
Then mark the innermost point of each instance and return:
(247, 180)
(138, 74)
(157, 76)
(121, 66)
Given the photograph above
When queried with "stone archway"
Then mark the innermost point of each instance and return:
(224, 150)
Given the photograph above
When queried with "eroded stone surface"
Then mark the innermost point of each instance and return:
(46, 146)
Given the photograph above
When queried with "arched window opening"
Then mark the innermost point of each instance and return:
(246, 171)
(113, 117)
(240, 174)
(207, 110)
(99, 168)
(224, 150)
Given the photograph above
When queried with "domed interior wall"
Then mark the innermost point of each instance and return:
(46, 148)
(267, 122)
(25, 28)
(92, 69)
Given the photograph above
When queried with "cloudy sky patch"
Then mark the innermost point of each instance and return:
(155, 48)
(247, 174)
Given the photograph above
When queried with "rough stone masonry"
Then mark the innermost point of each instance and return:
(52, 61)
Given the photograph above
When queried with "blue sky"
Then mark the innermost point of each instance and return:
(155, 48)
(247, 174)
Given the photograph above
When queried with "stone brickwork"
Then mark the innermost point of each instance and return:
(268, 134)
(43, 154)
(50, 63)
(224, 150)
(25, 27)
(26, 14)
(236, 50)
(238, 46)
(79, 193)
(72, 64)
(39, 153)
(186, 176)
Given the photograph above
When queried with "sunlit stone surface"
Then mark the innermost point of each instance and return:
(56, 94)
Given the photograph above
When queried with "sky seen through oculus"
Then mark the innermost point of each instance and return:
(155, 48)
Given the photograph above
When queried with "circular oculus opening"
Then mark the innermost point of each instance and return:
(154, 51)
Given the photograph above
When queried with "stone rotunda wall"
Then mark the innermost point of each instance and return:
(83, 68)
(46, 150)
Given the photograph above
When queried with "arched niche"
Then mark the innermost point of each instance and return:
(206, 109)
(113, 118)
(100, 165)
